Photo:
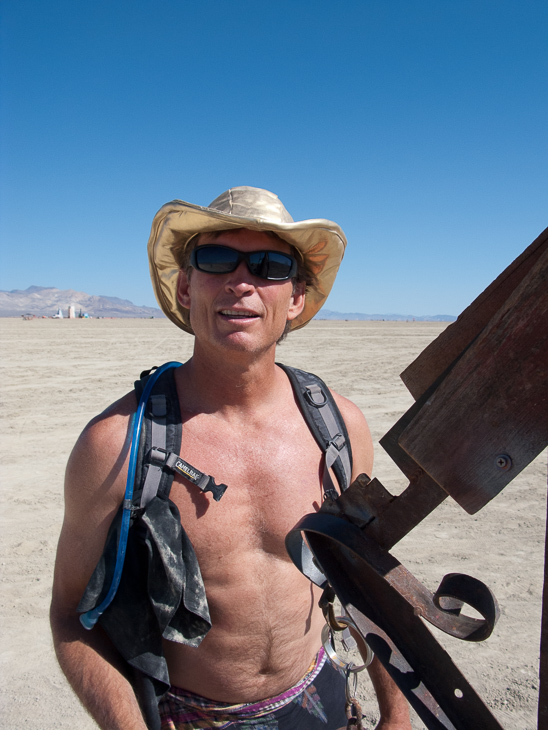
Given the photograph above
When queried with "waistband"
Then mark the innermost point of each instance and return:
(197, 703)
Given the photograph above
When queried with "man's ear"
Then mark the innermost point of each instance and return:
(296, 304)
(183, 289)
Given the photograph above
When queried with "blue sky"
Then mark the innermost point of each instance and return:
(418, 126)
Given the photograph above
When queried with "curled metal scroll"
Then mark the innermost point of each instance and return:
(387, 603)
(442, 609)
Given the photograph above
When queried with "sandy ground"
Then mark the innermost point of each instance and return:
(57, 374)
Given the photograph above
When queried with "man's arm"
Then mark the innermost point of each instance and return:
(392, 703)
(393, 706)
(94, 488)
(95, 673)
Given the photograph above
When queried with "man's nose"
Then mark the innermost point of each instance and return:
(240, 280)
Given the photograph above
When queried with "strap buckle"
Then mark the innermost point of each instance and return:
(338, 441)
(315, 396)
(158, 456)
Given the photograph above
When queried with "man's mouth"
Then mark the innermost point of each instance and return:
(238, 313)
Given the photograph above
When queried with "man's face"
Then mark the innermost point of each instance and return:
(240, 310)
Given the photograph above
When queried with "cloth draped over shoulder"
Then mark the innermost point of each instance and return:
(161, 592)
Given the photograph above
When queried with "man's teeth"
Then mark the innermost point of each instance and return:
(234, 313)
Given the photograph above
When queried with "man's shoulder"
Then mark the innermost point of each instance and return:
(303, 379)
(106, 436)
(359, 434)
(349, 410)
(108, 422)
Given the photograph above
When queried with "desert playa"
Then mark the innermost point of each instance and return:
(57, 374)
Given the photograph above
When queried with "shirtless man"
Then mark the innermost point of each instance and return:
(242, 425)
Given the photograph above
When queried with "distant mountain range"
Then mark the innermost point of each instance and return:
(43, 301)
(347, 316)
(46, 301)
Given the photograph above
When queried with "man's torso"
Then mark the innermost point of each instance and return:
(266, 623)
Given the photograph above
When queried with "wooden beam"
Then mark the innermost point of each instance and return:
(488, 418)
(453, 341)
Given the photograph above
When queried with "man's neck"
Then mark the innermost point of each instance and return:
(240, 382)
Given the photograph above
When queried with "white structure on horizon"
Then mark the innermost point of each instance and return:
(72, 312)
(59, 314)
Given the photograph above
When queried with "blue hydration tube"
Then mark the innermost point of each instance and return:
(90, 618)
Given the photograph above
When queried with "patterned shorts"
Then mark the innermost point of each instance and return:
(316, 702)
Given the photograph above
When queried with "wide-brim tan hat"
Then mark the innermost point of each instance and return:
(321, 242)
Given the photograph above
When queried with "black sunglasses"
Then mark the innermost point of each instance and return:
(270, 265)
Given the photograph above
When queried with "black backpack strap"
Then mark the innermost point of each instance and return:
(163, 429)
(160, 441)
(326, 423)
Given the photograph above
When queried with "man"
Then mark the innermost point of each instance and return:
(237, 275)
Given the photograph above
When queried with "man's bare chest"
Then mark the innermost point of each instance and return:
(273, 477)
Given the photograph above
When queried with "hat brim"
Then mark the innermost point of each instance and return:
(320, 241)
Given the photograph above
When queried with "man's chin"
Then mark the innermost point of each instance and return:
(247, 341)
(242, 341)
(239, 338)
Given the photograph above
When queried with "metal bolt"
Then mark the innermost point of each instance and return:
(503, 462)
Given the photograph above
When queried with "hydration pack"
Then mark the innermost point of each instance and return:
(162, 434)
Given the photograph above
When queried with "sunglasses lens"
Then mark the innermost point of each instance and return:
(215, 259)
(270, 265)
